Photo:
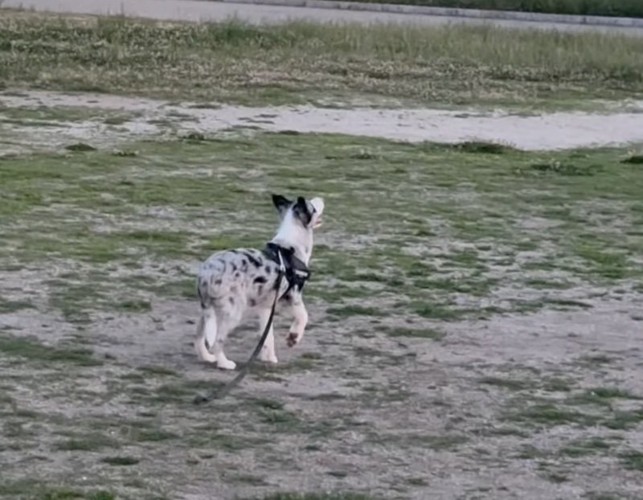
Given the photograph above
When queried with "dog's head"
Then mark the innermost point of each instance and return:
(306, 212)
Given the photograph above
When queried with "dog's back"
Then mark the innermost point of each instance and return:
(241, 277)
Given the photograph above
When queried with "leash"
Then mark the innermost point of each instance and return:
(214, 394)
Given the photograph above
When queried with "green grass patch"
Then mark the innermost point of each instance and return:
(421, 333)
(354, 310)
(601, 396)
(507, 383)
(40, 491)
(31, 350)
(584, 447)
(117, 270)
(88, 442)
(120, 461)
(632, 460)
(10, 306)
(315, 496)
(551, 415)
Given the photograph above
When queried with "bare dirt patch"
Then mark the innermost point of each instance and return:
(140, 118)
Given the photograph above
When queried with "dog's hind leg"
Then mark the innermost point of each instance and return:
(225, 323)
(206, 334)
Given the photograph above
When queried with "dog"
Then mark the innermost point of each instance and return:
(233, 284)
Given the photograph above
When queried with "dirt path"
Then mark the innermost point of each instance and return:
(146, 117)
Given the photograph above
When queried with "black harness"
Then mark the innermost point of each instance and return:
(297, 272)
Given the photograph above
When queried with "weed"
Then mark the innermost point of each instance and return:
(422, 333)
(88, 442)
(120, 460)
(551, 415)
(601, 396)
(511, 384)
(634, 160)
(80, 147)
(316, 496)
(580, 448)
(632, 460)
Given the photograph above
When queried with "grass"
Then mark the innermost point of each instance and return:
(507, 383)
(120, 461)
(425, 288)
(89, 442)
(547, 414)
(602, 396)
(36, 490)
(626, 8)
(632, 460)
(427, 333)
(584, 447)
(316, 496)
(31, 350)
(323, 65)
(417, 237)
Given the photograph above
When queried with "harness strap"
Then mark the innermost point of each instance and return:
(296, 271)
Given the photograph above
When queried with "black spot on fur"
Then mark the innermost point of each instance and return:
(217, 282)
(252, 302)
(268, 269)
(234, 267)
(237, 275)
(253, 259)
(281, 203)
(260, 279)
(231, 299)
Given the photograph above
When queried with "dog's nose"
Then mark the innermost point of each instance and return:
(318, 205)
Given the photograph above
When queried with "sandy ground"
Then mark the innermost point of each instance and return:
(202, 11)
(560, 130)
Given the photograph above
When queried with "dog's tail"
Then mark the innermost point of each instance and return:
(206, 334)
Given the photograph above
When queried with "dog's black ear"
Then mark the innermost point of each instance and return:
(281, 203)
(302, 212)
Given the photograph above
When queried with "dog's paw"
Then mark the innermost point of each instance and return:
(226, 364)
(203, 354)
(268, 357)
(292, 339)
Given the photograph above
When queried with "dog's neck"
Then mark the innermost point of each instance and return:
(291, 234)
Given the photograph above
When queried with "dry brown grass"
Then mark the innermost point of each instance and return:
(302, 62)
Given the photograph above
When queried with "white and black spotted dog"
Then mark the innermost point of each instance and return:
(235, 283)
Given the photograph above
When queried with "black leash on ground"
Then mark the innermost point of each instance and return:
(214, 394)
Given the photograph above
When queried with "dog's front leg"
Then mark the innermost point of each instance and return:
(267, 353)
(300, 320)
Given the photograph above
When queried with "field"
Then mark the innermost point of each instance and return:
(475, 309)
(306, 63)
(626, 8)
